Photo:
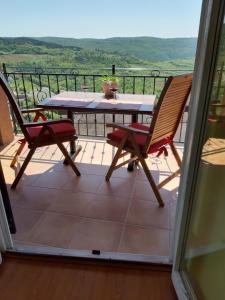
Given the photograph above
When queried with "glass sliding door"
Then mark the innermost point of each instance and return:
(204, 257)
(200, 256)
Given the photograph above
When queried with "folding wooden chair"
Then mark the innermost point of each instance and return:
(39, 134)
(22, 142)
(140, 140)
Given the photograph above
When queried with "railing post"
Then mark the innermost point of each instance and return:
(113, 73)
(4, 70)
(113, 69)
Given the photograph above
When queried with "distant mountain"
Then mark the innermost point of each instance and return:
(147, 48)
(31, 51)
(27, 45)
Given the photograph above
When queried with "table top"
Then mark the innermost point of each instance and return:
(95, 102)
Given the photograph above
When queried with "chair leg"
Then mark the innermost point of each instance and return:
(23, 167)
(151, 181)
(18, 152)
(113, 164)
(147, 172)
(176, 155)
(68, 158)
(116, 157)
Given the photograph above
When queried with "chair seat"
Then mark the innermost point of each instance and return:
(117, 135)
(62, 130)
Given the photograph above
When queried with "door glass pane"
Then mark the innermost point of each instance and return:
(204, 259)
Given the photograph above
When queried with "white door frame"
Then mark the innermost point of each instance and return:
(209, 33)
(5, 235)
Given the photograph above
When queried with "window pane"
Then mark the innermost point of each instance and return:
(204, 262)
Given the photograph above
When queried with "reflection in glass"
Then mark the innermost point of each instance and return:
(204, 259)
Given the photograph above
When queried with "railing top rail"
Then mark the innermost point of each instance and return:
(76, 70)
(88, 75)
(101, 68)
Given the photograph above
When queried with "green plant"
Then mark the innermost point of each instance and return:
(110, 78)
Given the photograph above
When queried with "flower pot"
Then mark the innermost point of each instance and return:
(108, 87)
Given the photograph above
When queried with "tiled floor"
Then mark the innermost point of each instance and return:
(54, 207)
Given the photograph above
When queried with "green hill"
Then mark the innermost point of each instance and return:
(33, 53)
(40, 53)
(147, 48)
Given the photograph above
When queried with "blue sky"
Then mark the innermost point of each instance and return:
(100, 18)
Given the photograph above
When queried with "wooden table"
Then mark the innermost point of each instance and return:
(96, 103)
(86, 102)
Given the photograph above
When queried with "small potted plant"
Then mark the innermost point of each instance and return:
(110, 85)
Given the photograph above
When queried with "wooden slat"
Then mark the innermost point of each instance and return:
(170, 109)
(169, 119)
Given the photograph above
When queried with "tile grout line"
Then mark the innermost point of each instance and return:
(44, 211)
(126, 217)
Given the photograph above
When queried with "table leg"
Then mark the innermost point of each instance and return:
(130, 167)
(72, 143)
(74, 151)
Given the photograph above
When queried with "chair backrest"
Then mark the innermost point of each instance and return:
(170, 108)
(12, 100)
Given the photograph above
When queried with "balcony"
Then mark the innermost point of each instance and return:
(54, 208)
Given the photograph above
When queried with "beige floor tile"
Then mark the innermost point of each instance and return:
(54, 207)
(143, 191)
(145, 240)
(5, 161)
(147, 213)
(173, 209)
(123, 173)
(10, 149)
(19, 243)
(25, 220)
(92, 169)
(116, 186)
(109, 152)
(58, 166)
(170, 191)
(52, 179)
(90, 205)
(51, 153)
(96, 235)
(32, 197)
(83, 144)
(54, 230)
(171, 244)
(107, 208)
(98, 169)
(97, 155)
(10, 175)
(84, 183)
(38, 154)
(88, 152)
(68, 202)
(38, 167)
(153, 167)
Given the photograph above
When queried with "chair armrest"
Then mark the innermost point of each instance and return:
(30, 110)
(46, 123)
(128, 129)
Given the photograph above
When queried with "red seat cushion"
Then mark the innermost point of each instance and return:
(62, 130)
(140, 139)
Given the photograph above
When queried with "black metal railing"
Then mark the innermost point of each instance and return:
(33, 85)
